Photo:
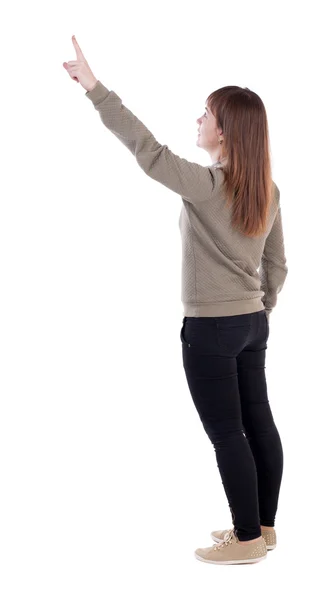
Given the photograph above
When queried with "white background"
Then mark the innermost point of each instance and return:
(108, 482)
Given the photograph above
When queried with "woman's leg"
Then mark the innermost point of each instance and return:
(209, 345)
(260, 429)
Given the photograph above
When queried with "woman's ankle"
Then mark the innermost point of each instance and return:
(266, 527)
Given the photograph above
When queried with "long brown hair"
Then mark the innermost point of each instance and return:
(248, 185)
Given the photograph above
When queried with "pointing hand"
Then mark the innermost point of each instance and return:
(79, 69)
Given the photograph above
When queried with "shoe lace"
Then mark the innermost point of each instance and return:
(228, 539)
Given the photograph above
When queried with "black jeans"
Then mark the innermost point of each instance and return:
(224, 363)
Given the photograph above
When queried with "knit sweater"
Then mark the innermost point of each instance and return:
(223, 272)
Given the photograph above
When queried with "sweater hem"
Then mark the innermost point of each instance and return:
(223, 309)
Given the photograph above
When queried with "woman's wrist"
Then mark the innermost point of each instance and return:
(91, 86)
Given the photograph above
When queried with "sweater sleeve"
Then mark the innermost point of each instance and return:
(273, 268)
(190, 180)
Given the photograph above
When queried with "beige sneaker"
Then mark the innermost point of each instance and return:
(231, 552)
(268, 534)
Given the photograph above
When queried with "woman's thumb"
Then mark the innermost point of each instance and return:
(66, 66)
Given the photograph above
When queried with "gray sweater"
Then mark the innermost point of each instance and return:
(223, 271)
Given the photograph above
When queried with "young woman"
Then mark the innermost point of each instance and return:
(233, 268)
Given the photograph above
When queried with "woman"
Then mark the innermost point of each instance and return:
(233, 268)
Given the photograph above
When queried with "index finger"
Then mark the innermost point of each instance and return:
(77, 49)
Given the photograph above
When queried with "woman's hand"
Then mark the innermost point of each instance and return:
(79, 69)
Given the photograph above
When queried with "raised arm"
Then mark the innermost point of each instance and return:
(190, 180)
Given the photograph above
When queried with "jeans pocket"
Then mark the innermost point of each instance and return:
(267, 326)
(233, 334)
(182, 335)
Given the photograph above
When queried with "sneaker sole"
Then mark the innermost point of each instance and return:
(220, 540)
(230, 562)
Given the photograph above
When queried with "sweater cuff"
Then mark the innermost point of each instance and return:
(98, 93)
